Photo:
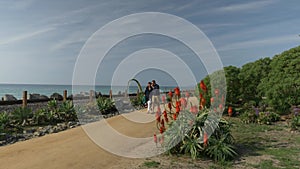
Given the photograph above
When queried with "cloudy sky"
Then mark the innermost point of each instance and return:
(41, 40)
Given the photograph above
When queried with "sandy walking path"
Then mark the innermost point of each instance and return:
(74, 149)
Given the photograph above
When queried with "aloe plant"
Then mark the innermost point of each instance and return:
(21, 115)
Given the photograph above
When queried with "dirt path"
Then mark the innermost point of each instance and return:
(73, 148)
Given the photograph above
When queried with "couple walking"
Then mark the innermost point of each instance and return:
(152, 95)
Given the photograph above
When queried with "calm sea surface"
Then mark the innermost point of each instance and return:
(17, 89)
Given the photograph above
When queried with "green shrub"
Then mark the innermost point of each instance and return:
(40, 116)
(21, 116)
(4, 121)
(67, 112)
(105, 105)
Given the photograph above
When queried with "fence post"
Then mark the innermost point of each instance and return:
(24, 101)
(110, 94)
(91, 95)
(65, 95)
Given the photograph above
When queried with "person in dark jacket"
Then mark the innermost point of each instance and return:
(148, 91)
(155, 94)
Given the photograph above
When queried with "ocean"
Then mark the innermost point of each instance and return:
(17, 89)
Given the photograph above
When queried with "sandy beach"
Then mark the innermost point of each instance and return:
(73, 149)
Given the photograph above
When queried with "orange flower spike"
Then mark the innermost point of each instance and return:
(230, 111)
(165, 114)
(166, 119)
(155, 138)
(177, 91)
(205, 139)
(174, 116)
(177, 109)
(170, 94)
(203, 86)
(201, 96)
(183, 102)
(161, 130)
(163, 98)
(203, 101)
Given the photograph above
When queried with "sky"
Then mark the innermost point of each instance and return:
(40, 40)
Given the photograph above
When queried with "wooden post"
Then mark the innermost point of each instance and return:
(65, 95)
(110, 94)
(91, 95)
(24, 102)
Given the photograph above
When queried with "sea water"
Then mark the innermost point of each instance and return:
(17, 89)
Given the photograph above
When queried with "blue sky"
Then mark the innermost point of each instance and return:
(41, 40)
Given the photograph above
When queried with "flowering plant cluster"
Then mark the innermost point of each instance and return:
(187, 126)
(255, 116)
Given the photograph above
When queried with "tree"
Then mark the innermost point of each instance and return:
(282, 85)
(233, 84)
(250, 77)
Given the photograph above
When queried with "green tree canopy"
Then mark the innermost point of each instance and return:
(282, 85)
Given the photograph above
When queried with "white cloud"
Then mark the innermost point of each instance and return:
(245, 6)
(25, 36)
(261, 42)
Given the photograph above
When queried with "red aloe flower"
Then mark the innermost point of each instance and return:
(183, 102)
(177, 109)
(230, 111)
(203, 101)
(174, 116)
(155, 138)
(203, 86)
(161, 130)
(177, 91)
(170, 94)
(201, 96)
(163, 98)
(166, 118)
(165, 113)
(205, 139)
